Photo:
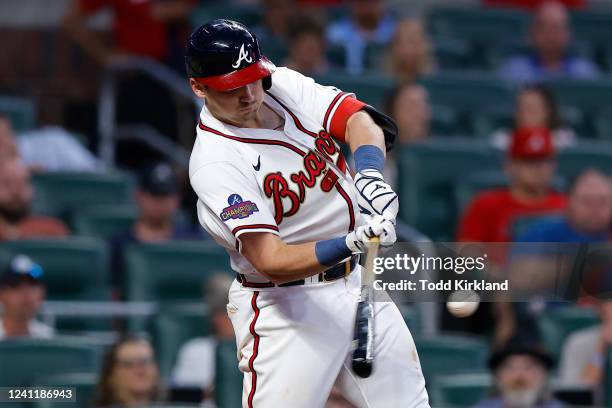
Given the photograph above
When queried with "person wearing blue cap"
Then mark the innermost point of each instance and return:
(22, 292)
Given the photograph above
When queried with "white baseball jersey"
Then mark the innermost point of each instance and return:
(277, 181)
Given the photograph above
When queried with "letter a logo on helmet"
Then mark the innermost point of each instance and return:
(242, 56)
(210, 56)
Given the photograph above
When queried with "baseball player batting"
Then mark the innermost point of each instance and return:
(275, 191)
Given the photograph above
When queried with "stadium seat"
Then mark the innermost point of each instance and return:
(26, 360)
(61, 193)
(228, 378)
(477, 25)
(460, 390)
(594, 26)
(245, 14)
(452, 53)
(84, 384)
(370, 88)
(555, 325)
(586, 95)
(411, 316)
(173, 327)
(608, 384)
(468, 187)
(572, 161)
(445, 121)
(602, 123)
(447, 354)
(171, 271)
(105, 221)
(426, 175)
(21, 112)
(74, 268)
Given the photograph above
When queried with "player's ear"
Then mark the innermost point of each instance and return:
(198, 88)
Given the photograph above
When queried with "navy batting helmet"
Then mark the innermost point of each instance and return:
(225, 55)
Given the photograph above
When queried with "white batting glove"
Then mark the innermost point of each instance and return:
(376, 197)
(376, 226)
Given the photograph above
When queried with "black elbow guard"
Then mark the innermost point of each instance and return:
(388, 125)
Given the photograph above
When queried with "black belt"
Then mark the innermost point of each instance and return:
(334, 273)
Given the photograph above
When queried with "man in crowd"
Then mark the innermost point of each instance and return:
(584, 353)
(158, 201)
(16, 194)
(307, 46)
(369, 23)
(588, 216)
(521, 371)
(22, 292)
(551, 57)
(530, 167)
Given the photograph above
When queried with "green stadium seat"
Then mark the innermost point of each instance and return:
(467, 188)
(74, 268)
(173, 327)
(445, 121)
(448, 354)
(488, 120)
(172, 271)
(460, 390)
(586, 95)
(594, 26)
(21, 112)
(245, 14)
(370, 88)
(608, 380)
(62, 193)
(452, 53)
(228, 378)
(105, 221)
(572, 161)
(26, 360)
(467, 90)
(427, 174)
(555, 325)
(412, 318)
(602, 123)
(84, 383)
(478, 25)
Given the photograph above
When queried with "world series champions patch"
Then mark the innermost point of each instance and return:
(238, 208)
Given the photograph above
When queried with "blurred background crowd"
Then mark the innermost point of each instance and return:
(108, 283)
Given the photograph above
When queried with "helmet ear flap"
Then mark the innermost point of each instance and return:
(267, 82)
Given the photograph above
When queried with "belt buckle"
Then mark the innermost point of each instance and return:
(347, 271)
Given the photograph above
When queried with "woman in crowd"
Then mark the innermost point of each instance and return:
(130, 376)
(410, 54)
(536, 107)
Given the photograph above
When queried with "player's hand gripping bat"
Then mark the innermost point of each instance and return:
(363, 338)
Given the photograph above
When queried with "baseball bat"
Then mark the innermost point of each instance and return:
(363, 338)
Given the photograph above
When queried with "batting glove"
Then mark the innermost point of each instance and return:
(376, 197)
(376, 226)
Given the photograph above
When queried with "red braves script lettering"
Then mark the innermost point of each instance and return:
(277, 187)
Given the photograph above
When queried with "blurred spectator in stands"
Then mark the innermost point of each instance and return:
(410, 54)
(530, 167)
(588, 216)
(195, 364)
(521, 373)
(369, 24)
(158, 202)
(276, 15)
(307, 46)
(16, 194)
(551, 58)
(47, 149)
(584, 353)
(22, 292)
(8, 147)
(408, 104)
(141, 28)
(536, 107)
(154, 29)
(129, 376)
(531, 4)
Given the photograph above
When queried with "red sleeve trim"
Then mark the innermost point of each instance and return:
(254, 226)
(347, 107)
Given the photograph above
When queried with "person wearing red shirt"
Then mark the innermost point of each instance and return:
(530, 167)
